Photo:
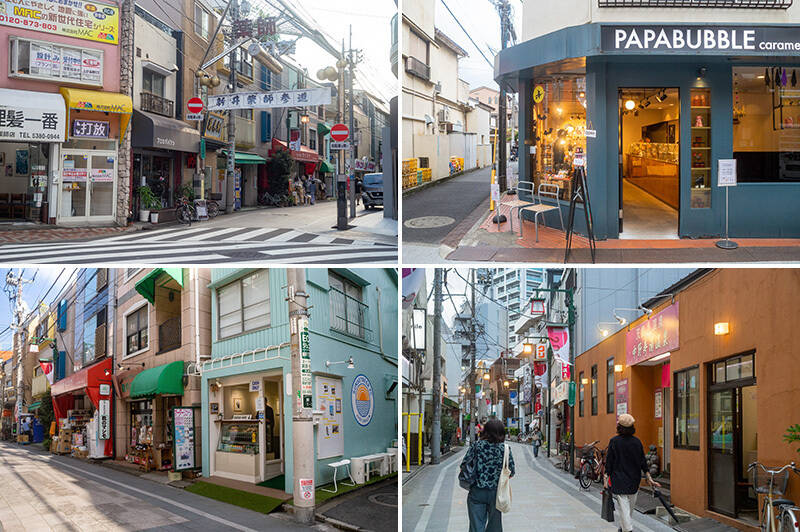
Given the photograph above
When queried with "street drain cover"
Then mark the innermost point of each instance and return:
(384, 499)
(429, 222)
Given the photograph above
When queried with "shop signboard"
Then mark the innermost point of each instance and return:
(561, 393)
(74, 175)
(725, 4)
(685, 39)
(622, 396)
(270, 99)
(658, 403)
(364, 166)
(654, 336)
(215, 127)
(102, 175)
(294, 140)
(90, 129)
(305, 363)
(183, 438)
(104, 419)
(31, 122)
(330, 435)
(105, 389)
(540, 351)
(73, 18)
(362, 399)
(726, 176)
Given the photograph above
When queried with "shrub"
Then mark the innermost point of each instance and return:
(279, 169)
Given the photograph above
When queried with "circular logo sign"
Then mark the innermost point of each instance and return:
(538, 94)
(195, 105)
(340, 132)
(363, 400)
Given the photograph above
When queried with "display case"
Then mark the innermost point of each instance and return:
(701, 148)
(239, 437)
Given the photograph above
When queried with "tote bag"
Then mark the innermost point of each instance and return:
(607, 508)
(503, 500)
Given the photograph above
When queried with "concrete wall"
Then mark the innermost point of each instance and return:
(538, 17)
(421, 13)
(156, 46)
(754, 303)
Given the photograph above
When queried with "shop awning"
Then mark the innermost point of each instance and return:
(303, 155)
(161, 380)
(326, 168)
(154, 131)
(147, 285)
(34, 406)
(44, 116)
(104, 102)
(322, 129)
(247, 158)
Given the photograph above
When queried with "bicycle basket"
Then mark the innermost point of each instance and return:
(563, 447)
(586, 452)
(761, 480)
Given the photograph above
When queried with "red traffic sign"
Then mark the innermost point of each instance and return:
(195, 105)
(340, 132)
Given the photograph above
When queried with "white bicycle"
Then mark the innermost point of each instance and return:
(772, 483)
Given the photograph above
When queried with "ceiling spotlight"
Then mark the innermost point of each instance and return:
(660, 98)
(629, 105)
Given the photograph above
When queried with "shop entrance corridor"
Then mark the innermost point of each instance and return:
(649, 170)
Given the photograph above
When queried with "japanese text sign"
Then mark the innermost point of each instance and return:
(25, 124)
(72, 18)
(653, 337)
(270, 99)
(622, 396)
(305, 363)
(94, 129)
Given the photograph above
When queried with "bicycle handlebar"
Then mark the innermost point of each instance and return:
(592, 444)
(790, 465)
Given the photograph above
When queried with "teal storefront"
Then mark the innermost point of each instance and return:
(246, 407)
(655, 108)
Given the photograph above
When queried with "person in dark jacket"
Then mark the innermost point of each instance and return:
(483, 516)
(625, 463)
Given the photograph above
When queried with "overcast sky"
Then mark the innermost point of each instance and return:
(480, 19)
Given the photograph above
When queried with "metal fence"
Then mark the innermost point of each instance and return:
(349, 315)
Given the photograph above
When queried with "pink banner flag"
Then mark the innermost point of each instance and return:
(559, 341)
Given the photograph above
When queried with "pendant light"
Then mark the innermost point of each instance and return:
(766, 77)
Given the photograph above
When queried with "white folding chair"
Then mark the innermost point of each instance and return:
(550, 191)
(517, 203)
(336, 466)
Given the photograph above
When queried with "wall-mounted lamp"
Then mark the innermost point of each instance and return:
(722, 328)
(349, 363)
(584, 381)
(604, 329)
(617, 368)
(527, 349)
(486, 376)
(701, 73)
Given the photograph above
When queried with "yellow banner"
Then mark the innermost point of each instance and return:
(73, 18)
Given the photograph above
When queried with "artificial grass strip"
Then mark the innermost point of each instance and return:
(277, 483)
(322, 496)
(251, 501)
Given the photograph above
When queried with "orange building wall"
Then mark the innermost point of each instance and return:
(761, 306)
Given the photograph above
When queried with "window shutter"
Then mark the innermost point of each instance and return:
(61, 366)
(266, 126)
(100, 342)
(102, 278)
(62, 315)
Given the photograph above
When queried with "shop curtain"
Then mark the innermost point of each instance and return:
(62, 403)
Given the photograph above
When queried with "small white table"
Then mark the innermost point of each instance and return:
(336, 466)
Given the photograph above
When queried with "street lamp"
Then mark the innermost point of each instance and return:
(304, 118)
(527, 349)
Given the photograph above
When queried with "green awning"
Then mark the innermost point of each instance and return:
(161, 380)
(147, 285)
(322, 129)
(34, 406)
(326, 168)
(247, 158)
(449, 402)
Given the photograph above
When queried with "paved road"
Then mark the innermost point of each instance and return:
(47, 492)
(371, 508)
(207, 244)
(456, 199)
(543, 499)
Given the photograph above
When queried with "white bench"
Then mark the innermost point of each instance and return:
(336, 466)
(362, 466)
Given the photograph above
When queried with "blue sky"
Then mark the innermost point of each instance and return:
(31, 293)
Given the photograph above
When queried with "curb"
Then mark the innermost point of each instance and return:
(432, 183)
(341, 525)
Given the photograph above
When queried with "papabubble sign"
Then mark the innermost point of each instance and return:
(653, 337)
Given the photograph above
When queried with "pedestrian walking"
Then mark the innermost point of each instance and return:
(487, 454)
(312, 189)
(537, 441)
(359, 189)
(625, 463)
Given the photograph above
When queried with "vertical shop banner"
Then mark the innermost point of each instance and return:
(330, 435)
(622, 397)
(72, 18)
(104, 420)
(559, 341)
(305, 363)
(654, 336)
(565, 371)
(658, 403)
(183, 419)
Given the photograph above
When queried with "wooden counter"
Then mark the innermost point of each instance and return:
(659, 178)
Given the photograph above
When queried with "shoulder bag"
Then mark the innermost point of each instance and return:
(469, 471)
(503, 500)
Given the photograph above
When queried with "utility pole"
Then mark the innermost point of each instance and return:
(549, 397)
(230, 171)
(472, 348)
(504, 10)
(436, 426)
(571, 329)
(352, 131)
(14, 283)
(302, 422)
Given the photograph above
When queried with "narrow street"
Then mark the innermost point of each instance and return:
(42, 491)
(544, 499)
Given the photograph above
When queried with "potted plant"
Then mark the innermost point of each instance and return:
(147, 202)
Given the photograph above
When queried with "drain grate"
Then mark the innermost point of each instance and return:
(384, 499)
(429, 222)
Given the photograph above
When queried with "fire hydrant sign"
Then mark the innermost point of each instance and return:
(305, 363)
(306, 488)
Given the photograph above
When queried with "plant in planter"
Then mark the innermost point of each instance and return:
(449, 427)
(148, 202)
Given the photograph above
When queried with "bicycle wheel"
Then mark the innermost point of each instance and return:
(764, 524)
(213, 209)
(788, 521)
(585, 477)
(182, 215)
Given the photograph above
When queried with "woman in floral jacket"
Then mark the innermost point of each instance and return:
(483, 516)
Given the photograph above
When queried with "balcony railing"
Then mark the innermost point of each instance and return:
(169, 335)
(415, 67)
(153, 103)
(348, 315)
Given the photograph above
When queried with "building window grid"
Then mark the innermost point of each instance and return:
(243, 305)
(348, 312)
(581, 394)
(610, 386)
(687, 408)
(137, 325)
(594, 390)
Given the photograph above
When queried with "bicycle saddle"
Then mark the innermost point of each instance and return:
(782, 502)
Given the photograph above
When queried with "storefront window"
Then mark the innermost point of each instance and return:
(559, 125)
(734, 368)
(610, 386)
(766, 111)
(136, 325)
(244, 305)
(687, 408)
(594, 390)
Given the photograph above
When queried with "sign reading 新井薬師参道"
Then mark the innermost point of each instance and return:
(74, 18)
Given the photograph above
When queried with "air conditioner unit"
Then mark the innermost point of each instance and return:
(444, 114)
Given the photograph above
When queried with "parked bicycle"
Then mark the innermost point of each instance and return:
(772, 483)
(185, 211)
(592, 464)
(273, 200)
(563, 450)
(212, 207)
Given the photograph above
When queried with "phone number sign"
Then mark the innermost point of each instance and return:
(73, 18)
(305, 363)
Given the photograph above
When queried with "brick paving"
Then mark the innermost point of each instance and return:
(36, 233)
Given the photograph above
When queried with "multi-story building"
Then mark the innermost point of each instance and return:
(65, 115)
(513, 288)
(163, 328)
(354, 359)
(491, 97)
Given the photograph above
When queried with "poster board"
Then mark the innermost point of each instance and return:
(330, 437)
(183, 438)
